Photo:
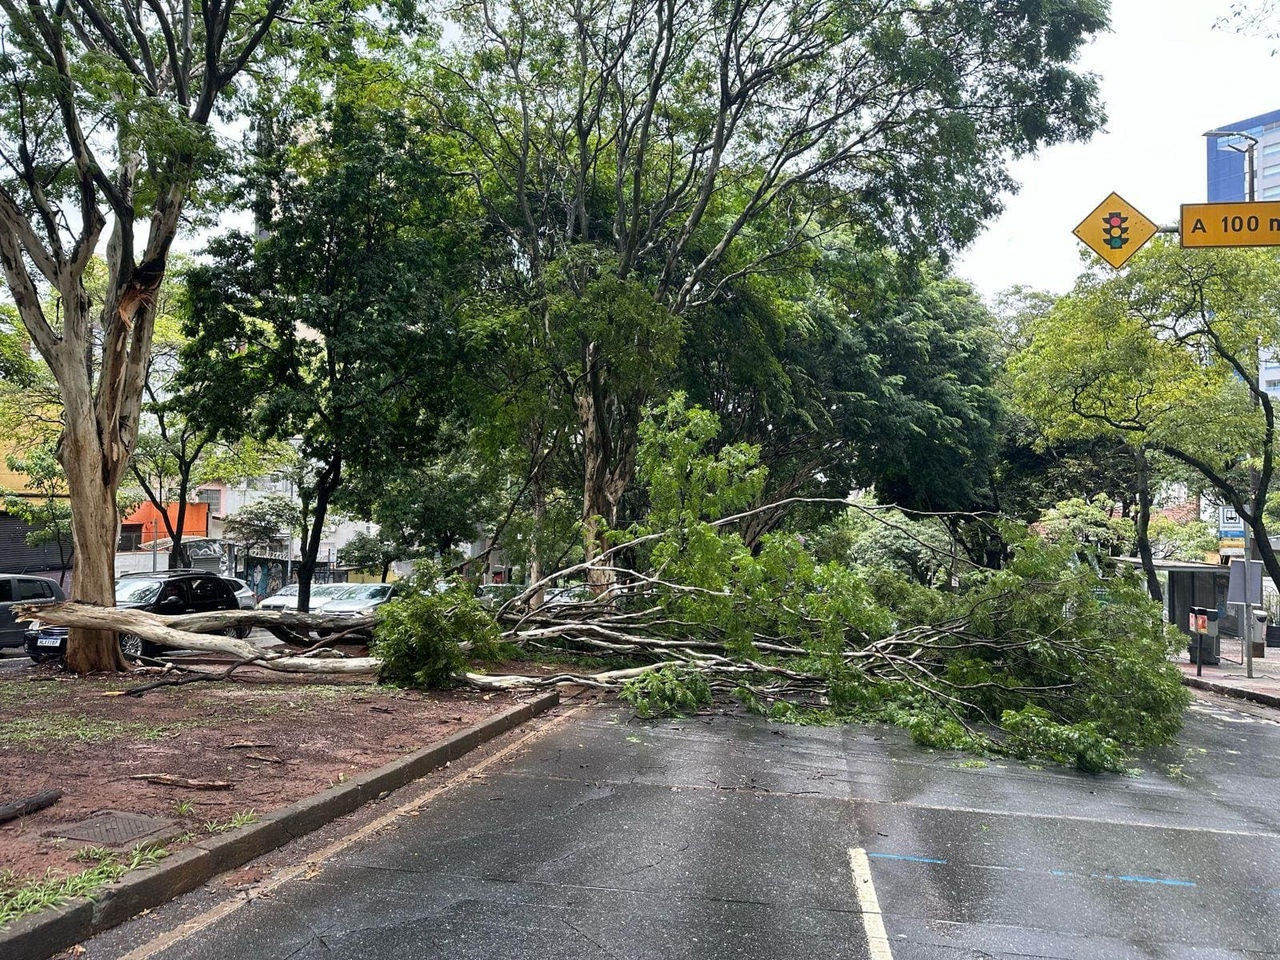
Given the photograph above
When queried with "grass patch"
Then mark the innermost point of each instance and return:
(237, 820)
(62, 728)
(19, 898)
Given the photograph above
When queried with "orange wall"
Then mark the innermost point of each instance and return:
(195, 522)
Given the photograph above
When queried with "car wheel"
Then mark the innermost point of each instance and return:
(243, 632)
(134, 647)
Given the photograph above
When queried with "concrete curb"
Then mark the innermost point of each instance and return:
(40, 935)
(1257, 696)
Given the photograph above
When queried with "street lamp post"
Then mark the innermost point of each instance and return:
(1250, 191)
(1249, 149)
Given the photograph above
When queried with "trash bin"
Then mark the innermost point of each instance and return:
(1273, 634)
(1258, 635)
(1204, 636)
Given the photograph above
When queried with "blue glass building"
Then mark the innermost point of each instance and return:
(1226, 162)
(1226, 184)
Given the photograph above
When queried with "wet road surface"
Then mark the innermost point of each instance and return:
(728, 837)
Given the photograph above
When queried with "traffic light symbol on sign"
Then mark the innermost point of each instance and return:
(1115, 230)
(1124, 230)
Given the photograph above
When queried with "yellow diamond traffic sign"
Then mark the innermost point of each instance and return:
(1115, 231)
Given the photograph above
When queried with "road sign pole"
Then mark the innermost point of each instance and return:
(1246, 629)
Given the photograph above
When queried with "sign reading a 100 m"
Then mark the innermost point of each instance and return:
(1249, 224)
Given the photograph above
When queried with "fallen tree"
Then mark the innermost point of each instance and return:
(199, 632)
(1056, 655)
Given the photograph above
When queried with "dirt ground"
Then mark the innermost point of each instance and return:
(275, 739)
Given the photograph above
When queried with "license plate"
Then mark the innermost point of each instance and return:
(48, 641)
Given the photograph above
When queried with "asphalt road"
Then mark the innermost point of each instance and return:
(727, 837)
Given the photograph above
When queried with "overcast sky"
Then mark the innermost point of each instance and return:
(1166, 75)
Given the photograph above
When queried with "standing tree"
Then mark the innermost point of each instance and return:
(178, 446)
(1165, 357)
(635, 160)
(343, 306)
(106, 119)
(879, 378)
(258, 523)
(371, 553)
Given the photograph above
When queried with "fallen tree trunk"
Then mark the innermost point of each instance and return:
(176, 633)
(287, 625)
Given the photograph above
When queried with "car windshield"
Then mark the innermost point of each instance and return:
(290, 591)
(137, 590)
(329, 591)
(369, 591)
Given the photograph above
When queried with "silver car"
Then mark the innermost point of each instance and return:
(248, 599)
(287, 598)
(361, 599)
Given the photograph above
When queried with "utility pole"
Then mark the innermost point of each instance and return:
(1250, 192)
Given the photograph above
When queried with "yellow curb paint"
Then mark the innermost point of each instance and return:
(872, 919)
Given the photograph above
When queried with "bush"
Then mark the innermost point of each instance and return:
(418, 635)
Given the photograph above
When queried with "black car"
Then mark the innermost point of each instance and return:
(21, 589)
(169, 592)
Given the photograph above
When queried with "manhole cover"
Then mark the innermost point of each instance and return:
(115, 828)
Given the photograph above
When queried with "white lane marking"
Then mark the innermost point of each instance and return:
(872, 919)
(312, 865)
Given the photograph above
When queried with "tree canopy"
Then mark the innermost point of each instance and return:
(1166, 357)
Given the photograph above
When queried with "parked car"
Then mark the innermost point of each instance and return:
(22, 589)
(168, 592)
(565, 595)
(248, 599)
(361, 599)
(287, 597)
(494, 595)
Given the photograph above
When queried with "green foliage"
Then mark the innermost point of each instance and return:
(1189, 540)
(16, 366)
(48, 510)
(669, 691)
(370, 554)
(258, 523)
(1164, 357)
(1054, 656)
(18, 898)
(241, 818)
(332, 328)
(1095, 524)
(686, 480)
(418, 634)
(1034, 734)
(921, 550)
(871, 375)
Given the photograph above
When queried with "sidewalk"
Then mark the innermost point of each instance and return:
(1228, 679)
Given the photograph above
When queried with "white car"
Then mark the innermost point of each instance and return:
(360, 599)
(248, 599)
(287, 598)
